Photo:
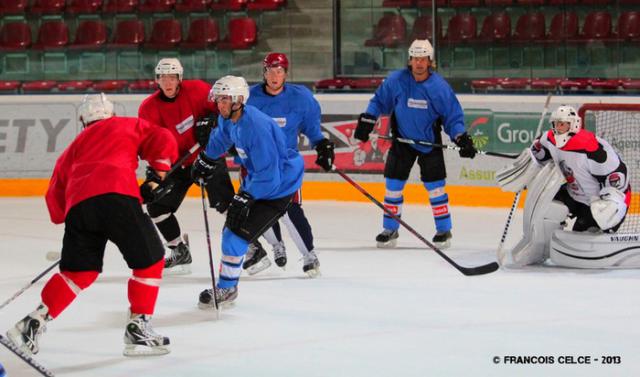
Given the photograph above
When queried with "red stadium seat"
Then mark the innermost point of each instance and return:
(242, 33)
(496, 28)
(597, 2)
(166, 34)
(423, 29)
(84, 6)
(428, 3)
(337, 83)
(15, 36)
(462, 28)
(9, 86)
(498, 3)
(545, 84)
(629, 26)
(366, 83)
(47, 6)
(13, 6)
(110, 85)
(514, 83)
(52, 35)
(143, 86)
(530, 2)
(266, 5)
(156, 6)
(229, 5)
(630, 84)
(72, 86)
(120, 6)
(605, 84)
(564, 26)
(464, 3)
(398, 3)
(129, 33)
(530, 28)
(574, 84)
(488, 83)
(203, 33)
(597, 26)
(391, 31)
(91, 34)
(563, 2)
(39, 86)
(187, 6)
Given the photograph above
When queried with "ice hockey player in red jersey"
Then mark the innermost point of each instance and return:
(181, 106)
(94, 192)
(580, 178)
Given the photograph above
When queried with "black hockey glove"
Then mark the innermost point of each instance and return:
(155, 188)
(467, 150)
(326, 156)
(366, 122)
(203, 129)
(203, 168)
(239, 210)
(220, 188)
(233, 152)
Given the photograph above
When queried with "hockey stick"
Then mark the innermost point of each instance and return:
(499, 252)
(25, 357)
(444, 146)
(468, 271)
(21, 291)
(208, 234)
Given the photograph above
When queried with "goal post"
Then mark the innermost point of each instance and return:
(619, 124)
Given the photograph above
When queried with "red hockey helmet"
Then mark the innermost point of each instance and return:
(276, 59)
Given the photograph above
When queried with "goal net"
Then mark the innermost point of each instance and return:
(619, 124)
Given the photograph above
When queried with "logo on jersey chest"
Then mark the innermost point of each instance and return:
(282, 122)
(185, 125)
(417, 103)
(241, 153)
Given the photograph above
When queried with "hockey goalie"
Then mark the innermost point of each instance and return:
(578, 196)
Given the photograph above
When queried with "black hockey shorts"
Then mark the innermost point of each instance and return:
(110, 217)
(402, 157)
(262, 215)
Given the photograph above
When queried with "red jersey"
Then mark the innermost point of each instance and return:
(103, 159)
(180, 114)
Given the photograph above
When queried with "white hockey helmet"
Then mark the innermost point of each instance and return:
(234, 86)
(565, 114)
(421, 48)
(95, 107)
(169, 66)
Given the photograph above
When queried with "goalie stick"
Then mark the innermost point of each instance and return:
(444, 146)
(30, 284)
(208, 235)
(468, 271)
(25, 357)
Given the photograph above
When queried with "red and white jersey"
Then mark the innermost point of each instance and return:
(587, 162)
(103, 159)
(180, 114)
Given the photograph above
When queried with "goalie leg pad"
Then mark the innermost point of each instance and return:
(589, 250)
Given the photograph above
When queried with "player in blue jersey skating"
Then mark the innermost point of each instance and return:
(274, 175)
(297, 112)
(421, 104)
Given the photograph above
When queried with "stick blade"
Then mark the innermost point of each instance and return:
(480, 270)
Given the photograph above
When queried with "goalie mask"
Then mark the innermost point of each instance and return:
(569, 115)
(95, 107)
(169, 66)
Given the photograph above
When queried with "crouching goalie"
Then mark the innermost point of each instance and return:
(578, 197)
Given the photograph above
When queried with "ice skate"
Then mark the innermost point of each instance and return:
(280, 254)
(141, 340)
(387, 239)
(26, 333)
(442, 240)
(311, 265)
(224, 296)
(179, 260)
(256, 259)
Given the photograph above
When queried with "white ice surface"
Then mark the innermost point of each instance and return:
(400, 312)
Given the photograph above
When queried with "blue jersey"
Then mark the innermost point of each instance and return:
(418, 105)
(294, 109)
(274, 171)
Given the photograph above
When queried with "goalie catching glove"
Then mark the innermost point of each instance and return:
(326, 156)
(609, 209)
(154, 187)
